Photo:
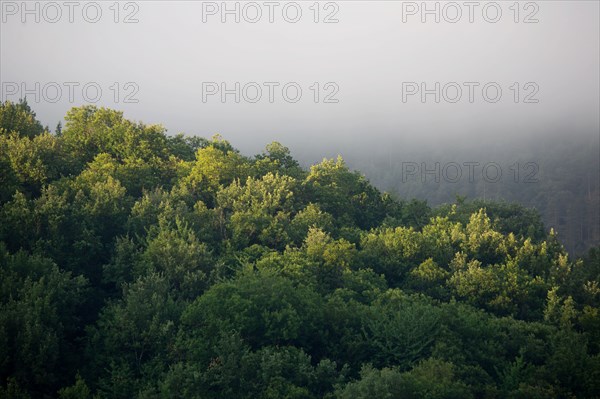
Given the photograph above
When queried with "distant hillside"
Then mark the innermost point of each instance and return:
(563, 184)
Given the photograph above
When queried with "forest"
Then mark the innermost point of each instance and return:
(556, 173)
(137, 264)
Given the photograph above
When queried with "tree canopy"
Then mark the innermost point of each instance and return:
(134, 264)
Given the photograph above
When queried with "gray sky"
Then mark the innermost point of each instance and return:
(368, 56)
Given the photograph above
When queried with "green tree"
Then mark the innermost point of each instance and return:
(344, 194)
(266, 309)
(19, 118)
(131, 343)
(40, 321)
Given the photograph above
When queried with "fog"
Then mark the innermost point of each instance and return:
(377, 58)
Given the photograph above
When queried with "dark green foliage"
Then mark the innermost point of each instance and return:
(40, 316)
(264, 308)
(400, 331)
(138, 265)
(430, 379)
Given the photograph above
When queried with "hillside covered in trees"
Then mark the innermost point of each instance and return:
(134, 264)
(556, 173)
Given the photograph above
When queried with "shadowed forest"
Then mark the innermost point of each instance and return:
(558, 175)
(135, 264)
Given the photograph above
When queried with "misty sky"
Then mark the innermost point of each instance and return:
(368, 55)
